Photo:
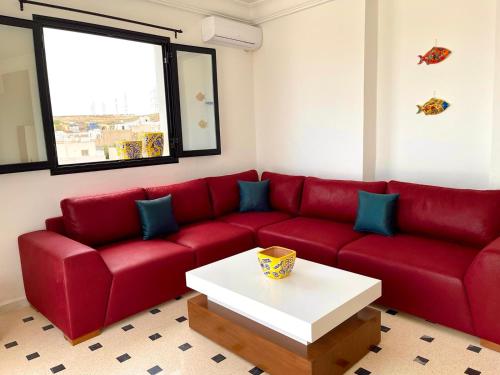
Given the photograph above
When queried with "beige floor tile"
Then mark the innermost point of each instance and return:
(446, 354)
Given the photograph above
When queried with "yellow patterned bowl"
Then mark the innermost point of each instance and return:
(129, 149)
(153, 143)
(277, 262)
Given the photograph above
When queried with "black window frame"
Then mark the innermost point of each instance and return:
(37, 165)
(39, 22)
(177, 113)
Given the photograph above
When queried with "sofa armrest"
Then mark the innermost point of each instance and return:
(66, 281)
(482, 283)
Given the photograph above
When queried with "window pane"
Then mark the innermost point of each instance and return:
(21, 127)
(196, 90)
(108, 97)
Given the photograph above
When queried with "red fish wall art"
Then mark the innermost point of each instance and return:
(435, 56)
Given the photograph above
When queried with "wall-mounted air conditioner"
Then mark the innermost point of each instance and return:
(231, 33)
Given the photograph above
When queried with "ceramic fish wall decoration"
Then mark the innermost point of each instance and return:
(434, 106)
(434, 56)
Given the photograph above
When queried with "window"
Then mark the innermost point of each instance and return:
(22, 144)
(197, 105)
(108, 96)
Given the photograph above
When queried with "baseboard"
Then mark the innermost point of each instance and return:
(13, 305)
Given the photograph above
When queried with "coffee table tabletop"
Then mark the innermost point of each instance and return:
(309, 303)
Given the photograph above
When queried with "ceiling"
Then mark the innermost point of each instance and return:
(250, 11)
(249, 1)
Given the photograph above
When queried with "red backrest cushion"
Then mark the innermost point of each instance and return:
(335, 199)
(225, 193)
(284, 191)
(55, 224)
(190, 200)
(101, 219)
(462, 215)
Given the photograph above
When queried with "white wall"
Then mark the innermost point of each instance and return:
(308, 79)
(453, 148)
(495, 144)
(28, 198)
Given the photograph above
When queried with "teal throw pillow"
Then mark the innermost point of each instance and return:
(254, 196)
(157, 217)
(376, 213)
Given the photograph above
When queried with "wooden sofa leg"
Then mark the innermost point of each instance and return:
(83, 338)
(490, 345)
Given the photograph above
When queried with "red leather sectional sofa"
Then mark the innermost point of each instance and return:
(90, 267)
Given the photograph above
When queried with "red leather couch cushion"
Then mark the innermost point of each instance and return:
(55, 224)
(213, 240)
(284, 191)
(145, 273)
(225, 192)
(100, 219)
(468, 216)
(255, 220)
(335, 199)
(190, 200)
(482, 283)
(316, 240)
(419, 275)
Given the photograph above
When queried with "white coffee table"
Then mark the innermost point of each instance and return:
(312, 316)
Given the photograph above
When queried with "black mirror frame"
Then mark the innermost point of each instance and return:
(39, 23)
(177, 104)
(37, 165)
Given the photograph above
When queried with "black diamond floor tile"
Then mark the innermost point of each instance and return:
(256, 371)
(31, 356)
(391, 312)
(123, 358)
(421, 360)
(218, 358)
(375, 348)
(471, 371)
(185, 347)
(128, 327)
(474, 348)
(427, 338)
(155, 311)
(155, 370)
(28, 319)
(385, 328)
(95, 346)
(47, 327)
(181, 319)
(362, 371)
(10, 344)
(57, 368)
(154, 337)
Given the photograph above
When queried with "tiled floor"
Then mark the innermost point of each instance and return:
(160, 342)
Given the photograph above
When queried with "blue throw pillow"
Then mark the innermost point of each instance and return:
(254, 196)
(376, 213)
(157, 217)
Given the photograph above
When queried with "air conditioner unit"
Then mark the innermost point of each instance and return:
(231, 33)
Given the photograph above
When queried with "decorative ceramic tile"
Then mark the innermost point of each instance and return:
(427, 338)
(474, 348)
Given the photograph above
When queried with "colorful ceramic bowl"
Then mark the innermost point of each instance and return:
(129, 149)
(277, 262)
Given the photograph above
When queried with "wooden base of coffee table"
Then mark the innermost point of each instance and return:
(277, 354)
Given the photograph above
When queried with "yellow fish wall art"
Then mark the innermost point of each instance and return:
(434, 106)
